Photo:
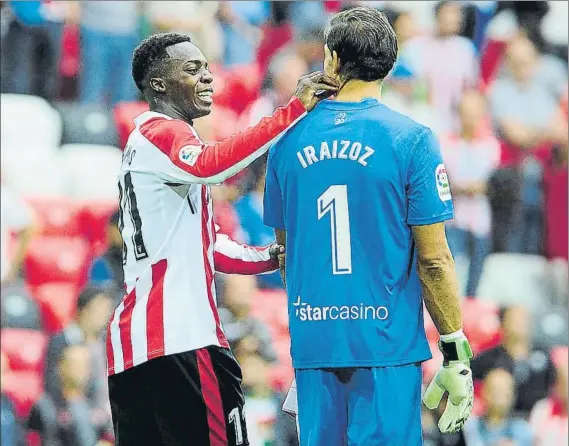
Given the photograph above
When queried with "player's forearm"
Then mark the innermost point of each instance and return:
(231, 257)
(440, 292)
(218, 162)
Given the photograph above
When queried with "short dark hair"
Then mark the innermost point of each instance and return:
(149, 56)
(89, 293)
(365, 42)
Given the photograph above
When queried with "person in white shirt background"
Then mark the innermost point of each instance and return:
(471, 155)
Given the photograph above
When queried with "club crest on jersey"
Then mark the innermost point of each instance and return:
(189, 155)
(340, 118)
(443, 185)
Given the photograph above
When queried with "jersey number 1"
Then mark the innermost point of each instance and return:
(335, 201)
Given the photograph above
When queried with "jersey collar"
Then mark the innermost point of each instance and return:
(147, 115)
(341, 105)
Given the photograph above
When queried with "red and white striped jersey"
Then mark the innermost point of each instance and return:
(171, 247)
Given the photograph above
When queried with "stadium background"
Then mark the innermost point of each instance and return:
(66, 110)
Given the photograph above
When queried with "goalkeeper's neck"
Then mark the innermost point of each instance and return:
(355, 91)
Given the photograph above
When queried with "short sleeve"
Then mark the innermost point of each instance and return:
(273, 199)
(428, 189)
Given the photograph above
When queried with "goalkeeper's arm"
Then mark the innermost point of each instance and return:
(440, 292)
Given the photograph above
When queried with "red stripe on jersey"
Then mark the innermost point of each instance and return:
(207, 236)
(228, 265)
(155, 311)
(110, 351)
(212, 399)
(125, 328)
(170, 136)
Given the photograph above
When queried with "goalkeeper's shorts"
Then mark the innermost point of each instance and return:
(360, 406)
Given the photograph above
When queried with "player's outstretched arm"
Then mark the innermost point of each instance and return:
(231, 257)
(214, 163)
(440, 292)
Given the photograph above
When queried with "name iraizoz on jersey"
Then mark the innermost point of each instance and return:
(344, 150)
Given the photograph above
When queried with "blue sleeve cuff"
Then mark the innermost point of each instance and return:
(430, 220)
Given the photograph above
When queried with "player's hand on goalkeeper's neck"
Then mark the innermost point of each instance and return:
(314, 87)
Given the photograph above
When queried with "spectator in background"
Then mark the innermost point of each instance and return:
(250, 213)
(471, 155)
(307, 42)
(251, 335)
(532, 369)
(241, 21)
(496, 426)
(109, 34)
(107, 269)
(66, 420)
(16, 218)
(284, 68)
(404, 94)
(525, 112)
(10, 429)
(259, 399)
(31, 47)
(196, 18)
(446, 61)
(556, 202)
(405, 27)
(94, 307)
(524, 106)
(549, 416)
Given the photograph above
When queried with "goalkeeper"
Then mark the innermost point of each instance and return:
(364, 189)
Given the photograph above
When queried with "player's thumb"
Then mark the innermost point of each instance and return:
(433, 395)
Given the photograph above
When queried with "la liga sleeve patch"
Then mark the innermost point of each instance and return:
(443, 185)
(189, 154)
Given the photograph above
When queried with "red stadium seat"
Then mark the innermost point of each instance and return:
(124, 114)
(24, 349)
(58, 303)
(57, 216)
(94, 219)
(481, 323)
(24, 388)
(57, 259)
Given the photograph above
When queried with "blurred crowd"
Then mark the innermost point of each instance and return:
(490, 78)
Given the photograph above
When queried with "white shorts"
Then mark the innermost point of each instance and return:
(290, 404)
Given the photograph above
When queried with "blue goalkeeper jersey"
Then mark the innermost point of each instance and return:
(347, 183)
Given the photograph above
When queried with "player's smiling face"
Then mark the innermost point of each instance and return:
(189, 83)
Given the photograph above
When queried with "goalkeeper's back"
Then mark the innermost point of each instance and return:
(347, 183)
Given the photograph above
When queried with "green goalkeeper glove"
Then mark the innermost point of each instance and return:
(455, 378)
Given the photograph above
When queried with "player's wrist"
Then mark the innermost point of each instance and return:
(297, 104)
(455, 349)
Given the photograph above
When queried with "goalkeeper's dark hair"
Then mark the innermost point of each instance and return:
(365, 42)
(150, 56)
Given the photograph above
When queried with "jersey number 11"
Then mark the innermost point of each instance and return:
(335, 201)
